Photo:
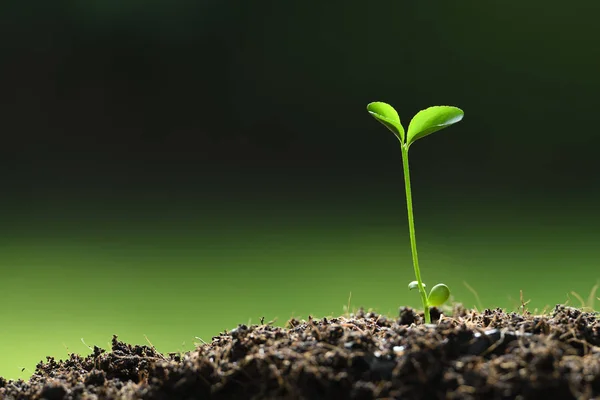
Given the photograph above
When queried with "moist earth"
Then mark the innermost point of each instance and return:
(466, 355)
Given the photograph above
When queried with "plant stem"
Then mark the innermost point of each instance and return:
(411, 229)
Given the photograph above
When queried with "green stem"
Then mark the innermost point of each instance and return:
(411, 229)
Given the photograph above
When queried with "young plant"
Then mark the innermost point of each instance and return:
(424, 123)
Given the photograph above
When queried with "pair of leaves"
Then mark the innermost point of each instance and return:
(424, 123)
(437, 296)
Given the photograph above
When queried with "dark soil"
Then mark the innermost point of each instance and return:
(489, 355)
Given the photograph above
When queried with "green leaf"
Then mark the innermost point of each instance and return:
(438, 295)
(414, 285)
(430, 120)
(388, 116)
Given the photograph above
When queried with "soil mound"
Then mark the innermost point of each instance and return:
(469, 355)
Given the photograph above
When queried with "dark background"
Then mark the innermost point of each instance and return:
(174, 168)
(109, 88)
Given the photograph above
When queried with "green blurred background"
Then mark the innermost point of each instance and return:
(174, 168)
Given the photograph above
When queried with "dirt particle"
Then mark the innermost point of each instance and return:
(53, 391)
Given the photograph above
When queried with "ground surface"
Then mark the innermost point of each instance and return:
(488, 355)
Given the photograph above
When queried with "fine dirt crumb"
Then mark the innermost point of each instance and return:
(488, 355)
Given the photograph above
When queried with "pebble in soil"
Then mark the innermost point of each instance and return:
(470, 355)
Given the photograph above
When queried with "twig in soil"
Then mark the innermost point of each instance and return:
(352, 326)
(86, 345)
(545, 310)
(494, 345)
(149, 342)
(477, 299)
(136, 357)
(523, 303)
(375, 325)
(200, 339)
(579, 298)
(592, 296)
(348, 306)
(591, 301)
(589, 304)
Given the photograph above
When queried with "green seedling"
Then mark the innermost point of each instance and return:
(424, 123)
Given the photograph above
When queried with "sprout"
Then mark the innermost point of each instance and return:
(424, 123)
